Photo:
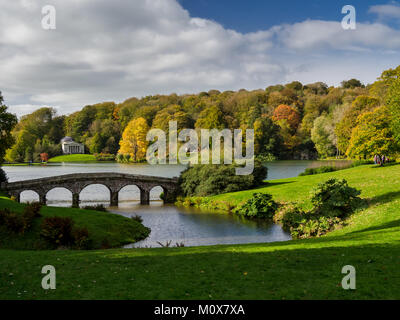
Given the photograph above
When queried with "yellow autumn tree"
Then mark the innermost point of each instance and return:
(133, 140)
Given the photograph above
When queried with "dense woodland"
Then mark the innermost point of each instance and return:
(292, 121)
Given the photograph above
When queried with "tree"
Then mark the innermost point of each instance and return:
(372, 135)
(393, 101)
(172, 113)
(7, 122)
(267, 139)
(28, 155)
(284, 112)
(344, 128)
(134, 140)
(210, 118)
(323, 136)
(314, 107)
(352, 83)
(44, 157)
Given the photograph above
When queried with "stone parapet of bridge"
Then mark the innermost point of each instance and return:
(75, 183)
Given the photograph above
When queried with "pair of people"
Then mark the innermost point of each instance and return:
(381, 160)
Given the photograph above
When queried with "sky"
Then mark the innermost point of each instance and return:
(105, 50)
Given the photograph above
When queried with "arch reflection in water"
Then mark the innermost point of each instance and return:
(95, 194)
(129, 196)
(59, 197)
(29, 196)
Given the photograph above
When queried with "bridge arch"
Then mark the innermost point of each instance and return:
(29, 195)
(66, 195)
(156, 193)
(129, 193)
(101, 192)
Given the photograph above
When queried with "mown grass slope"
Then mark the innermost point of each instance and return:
(103, 227)
(299, 269)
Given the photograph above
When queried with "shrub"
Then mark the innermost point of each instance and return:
(205, 180)
(358, 163)
(119, 157)
(312, 171)
(137, 218)
(31, 211)
(335, 198)
(260, 205)
(57, 231)
(315, 227)
(17, 222)
(127, 157)
(13, 222)
(290, 216)
(105, 244)
(3, 176)
(97, 207)
(81, 238)
(104, 156)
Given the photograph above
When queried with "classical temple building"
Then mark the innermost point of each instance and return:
(69, 146)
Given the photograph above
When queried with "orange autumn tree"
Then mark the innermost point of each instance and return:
(133, 140)
(284, 112)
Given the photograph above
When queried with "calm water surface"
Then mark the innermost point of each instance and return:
(168, 223)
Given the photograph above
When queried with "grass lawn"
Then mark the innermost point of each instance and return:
(116, 230)
(299, 269)
(74, 158)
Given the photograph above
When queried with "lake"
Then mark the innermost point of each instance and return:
(168, 223)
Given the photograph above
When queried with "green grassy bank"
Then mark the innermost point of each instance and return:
(104, 228)
(300, 269)
(74, 158)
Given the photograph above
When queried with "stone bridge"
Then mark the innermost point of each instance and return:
(77, 182)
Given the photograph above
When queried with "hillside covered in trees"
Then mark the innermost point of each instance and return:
(292, 121)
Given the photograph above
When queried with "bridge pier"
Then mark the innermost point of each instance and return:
(114, 199)
(144, 197)
(75, 200)
(42, 199)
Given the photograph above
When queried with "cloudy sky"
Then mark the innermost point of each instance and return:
(104, 50)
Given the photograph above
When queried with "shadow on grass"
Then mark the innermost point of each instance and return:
(272, 183)
(387, 225)
(215, 272)
(392, 164)
(384, 198)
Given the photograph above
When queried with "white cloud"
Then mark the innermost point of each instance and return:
(112, 50)
(386, 11)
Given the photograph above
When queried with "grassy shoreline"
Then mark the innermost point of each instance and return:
(297, 269)
(103, 227)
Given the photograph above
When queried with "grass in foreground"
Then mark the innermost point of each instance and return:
(104, 228)
(74, 158)
(300, 269)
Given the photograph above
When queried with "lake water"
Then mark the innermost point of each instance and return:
(168, 223)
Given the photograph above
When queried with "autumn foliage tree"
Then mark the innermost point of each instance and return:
(344, 128)
(372, 135)
(291, 115)
(133, 140)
